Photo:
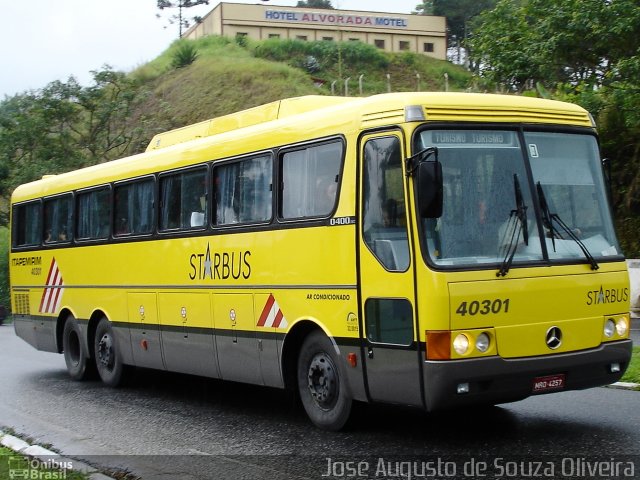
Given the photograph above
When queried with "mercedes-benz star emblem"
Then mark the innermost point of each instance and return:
(554, 338)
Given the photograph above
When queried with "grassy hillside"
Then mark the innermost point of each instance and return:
(227, 77)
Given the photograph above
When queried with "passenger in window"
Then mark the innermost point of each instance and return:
(121, 226)
(47, 236)
(326, 189)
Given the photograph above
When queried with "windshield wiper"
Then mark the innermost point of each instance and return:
(547, 222)
(519, 219)
(548, 218)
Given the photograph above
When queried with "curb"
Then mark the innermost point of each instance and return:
(36, 451)
(625, 386)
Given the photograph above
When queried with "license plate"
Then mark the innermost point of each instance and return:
(548, 383)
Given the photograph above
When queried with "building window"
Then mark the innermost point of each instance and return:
(354, 39)
(404, 45)
(242, 35)
(274, 35)
(428, 47)
(379, 43)
(327, 39)
(302, 38)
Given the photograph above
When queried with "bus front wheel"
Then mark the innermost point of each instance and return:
(107, 354)
(321, 386)
(78, 362)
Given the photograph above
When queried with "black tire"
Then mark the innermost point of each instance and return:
(76, 357)
(107, 354)
(321, 386)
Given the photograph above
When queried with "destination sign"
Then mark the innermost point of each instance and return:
(469, 138)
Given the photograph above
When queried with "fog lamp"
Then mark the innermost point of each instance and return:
(461, 344)
(462, 388)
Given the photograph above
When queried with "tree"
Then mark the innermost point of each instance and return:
(520, 43)
(65, 126)
(426, 7)
(179, 18)
(460, 17)
(326, 4)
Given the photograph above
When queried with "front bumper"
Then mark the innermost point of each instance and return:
(495, 380)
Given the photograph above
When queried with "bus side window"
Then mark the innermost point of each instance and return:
(134, 208)
(310, 179)
(243, 192)
(389, 320)
(94, 214)
(58, 219)
(183, 200)
(26, 224)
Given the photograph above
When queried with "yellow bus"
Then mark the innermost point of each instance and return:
(435, 250)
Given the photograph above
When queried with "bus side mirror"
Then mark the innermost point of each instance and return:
(428, 184)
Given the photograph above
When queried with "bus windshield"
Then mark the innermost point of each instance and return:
(489, 213)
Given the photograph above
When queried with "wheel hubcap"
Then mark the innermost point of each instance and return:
(105, 351)
(323, 380)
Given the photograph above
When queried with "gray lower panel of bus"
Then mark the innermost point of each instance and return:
(39, 332)
(239, 356)
(243, 357)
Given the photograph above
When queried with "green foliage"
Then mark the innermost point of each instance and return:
(632, 374)
(65, 126)
(185, 55)
(426, 7)
(315, 4)
(573, 41)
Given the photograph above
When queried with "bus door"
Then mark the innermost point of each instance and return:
(386, 274)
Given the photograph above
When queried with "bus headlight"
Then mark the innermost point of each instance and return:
(609, 328)
(482, 342)
(461, 344)
(622, 326)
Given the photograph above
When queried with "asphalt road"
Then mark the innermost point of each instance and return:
(168, 426)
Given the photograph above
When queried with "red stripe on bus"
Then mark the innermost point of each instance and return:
(279, 317)
(265, 311)
(56, 294)
(53, 294)
(44, 294)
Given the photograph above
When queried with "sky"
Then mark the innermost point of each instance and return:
(46, 40)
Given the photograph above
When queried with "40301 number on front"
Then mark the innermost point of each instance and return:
(483, 307)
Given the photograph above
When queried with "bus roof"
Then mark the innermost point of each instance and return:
(303, 118)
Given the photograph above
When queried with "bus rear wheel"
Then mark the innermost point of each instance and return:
(78, 362)
(107, 354)
(321, 386)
